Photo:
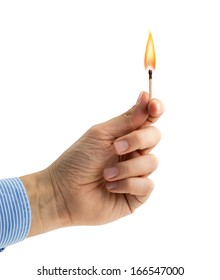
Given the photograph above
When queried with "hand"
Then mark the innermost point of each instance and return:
(104, 175)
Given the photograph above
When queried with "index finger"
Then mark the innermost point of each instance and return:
(155, 109)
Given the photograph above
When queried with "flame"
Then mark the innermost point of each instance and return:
(150, 57)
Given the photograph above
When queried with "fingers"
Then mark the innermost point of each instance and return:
(139, 186)
(155, 110)
(135, 137)
(128, 121)
(143, 113)
(139, 166)
(141, 139)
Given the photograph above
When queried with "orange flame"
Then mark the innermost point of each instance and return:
(150, 57)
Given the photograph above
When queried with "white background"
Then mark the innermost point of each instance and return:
(66, 65)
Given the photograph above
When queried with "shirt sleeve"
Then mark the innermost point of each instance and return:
(15, 212)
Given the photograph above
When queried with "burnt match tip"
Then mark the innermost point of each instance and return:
(150, 73)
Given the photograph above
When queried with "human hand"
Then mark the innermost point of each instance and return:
(104, 175)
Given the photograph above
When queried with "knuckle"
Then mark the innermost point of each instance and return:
(129, 119)
(138, 139)
(94, 129)
(150, 186)
(158, 134)
(133, 118)
(153, 161)
(130, 186)
(146, 138)
(155, 130)
(155, 134)
(129, 167)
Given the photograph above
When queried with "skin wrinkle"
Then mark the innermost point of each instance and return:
(74, 190)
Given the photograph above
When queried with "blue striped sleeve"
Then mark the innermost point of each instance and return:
(15, 212)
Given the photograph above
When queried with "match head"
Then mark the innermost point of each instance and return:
(150, 72)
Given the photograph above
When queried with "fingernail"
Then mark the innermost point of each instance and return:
(139, 98)
(121, 146)
(111, 185)
(111, 172)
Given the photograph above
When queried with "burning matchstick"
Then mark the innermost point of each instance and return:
(150, 83)
(150, 61)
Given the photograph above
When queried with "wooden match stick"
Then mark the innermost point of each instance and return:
(150, 84)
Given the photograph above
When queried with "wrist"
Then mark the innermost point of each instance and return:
(44, 203)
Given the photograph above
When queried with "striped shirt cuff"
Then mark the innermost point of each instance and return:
(15, 212)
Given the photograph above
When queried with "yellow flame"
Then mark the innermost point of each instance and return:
(150, 56)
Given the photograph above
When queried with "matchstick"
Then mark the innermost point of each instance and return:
(150, 84)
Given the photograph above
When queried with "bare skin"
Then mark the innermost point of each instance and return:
(102, 177)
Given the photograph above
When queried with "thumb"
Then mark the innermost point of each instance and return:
(130, 120)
